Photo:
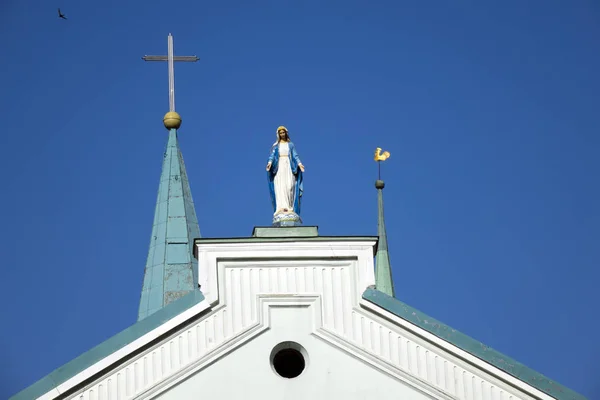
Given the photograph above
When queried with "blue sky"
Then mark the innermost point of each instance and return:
(490, 112)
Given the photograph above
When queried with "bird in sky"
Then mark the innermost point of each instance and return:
(61, 15)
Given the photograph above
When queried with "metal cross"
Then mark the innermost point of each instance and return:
(170, 58)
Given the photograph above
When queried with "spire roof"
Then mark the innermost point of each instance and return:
(169, 272)
(383, 270)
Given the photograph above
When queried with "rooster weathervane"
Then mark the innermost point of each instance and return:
(379, 157)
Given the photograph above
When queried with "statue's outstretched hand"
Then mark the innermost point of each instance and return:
(301, 167)
(268, 166)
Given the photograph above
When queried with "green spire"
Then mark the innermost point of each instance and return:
(170, 272)
(383, 270)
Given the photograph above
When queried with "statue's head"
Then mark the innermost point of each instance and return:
(282, 134)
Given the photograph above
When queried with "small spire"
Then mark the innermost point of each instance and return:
(170, 272)
(383, 271)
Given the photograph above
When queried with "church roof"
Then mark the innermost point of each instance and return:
(109, 346)
(380, 299)
(471, 346)
(169, 272)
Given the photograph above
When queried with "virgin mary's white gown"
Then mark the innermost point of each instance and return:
(285, 181)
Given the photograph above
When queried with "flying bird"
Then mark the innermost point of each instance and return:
(61, 15)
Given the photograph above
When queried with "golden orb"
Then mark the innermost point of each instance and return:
(172, 120)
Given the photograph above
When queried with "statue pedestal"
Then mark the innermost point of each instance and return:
(286, 218)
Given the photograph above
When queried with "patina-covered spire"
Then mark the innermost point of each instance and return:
(170, 272)
(383, 269)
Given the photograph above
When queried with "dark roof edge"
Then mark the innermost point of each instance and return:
(108, 347)
(471, 346)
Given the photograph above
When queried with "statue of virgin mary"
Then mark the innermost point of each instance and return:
(284, 173)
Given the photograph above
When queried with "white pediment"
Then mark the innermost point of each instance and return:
(330, 371)
(308, 293)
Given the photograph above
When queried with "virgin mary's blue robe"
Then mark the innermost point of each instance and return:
(294, 161)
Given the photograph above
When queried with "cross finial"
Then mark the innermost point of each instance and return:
(171, 73)
(170, 58)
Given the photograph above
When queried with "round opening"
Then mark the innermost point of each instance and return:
(288, 363)
(288, 359)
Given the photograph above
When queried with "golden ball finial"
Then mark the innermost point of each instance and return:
(172, 120)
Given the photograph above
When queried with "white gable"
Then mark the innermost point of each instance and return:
(308, 292)
(331, 372)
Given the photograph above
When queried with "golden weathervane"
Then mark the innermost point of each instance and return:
(379, 156)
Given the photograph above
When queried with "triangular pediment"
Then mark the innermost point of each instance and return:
(312, 294)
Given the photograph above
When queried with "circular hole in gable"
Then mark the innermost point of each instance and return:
(288, 359)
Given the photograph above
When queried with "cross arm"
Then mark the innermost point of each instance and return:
(175, 58)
